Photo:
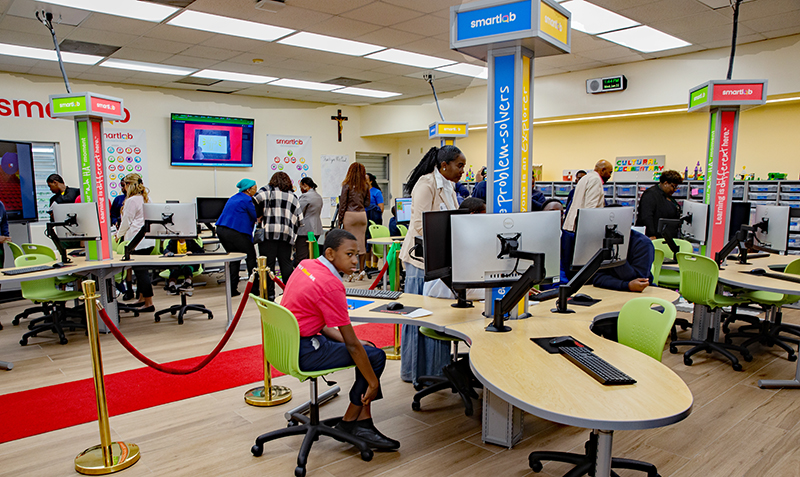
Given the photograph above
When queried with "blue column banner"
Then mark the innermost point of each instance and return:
(503, 131)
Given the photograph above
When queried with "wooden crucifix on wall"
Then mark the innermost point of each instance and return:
(339, 118)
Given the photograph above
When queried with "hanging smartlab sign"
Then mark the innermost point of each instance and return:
(743, 93)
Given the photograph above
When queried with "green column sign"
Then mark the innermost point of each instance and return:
(74, 104)
(698, 97)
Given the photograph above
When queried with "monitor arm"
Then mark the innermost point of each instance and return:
(212, 229)
(166, 219)
(50, 231)
(668, 238)
(739, 239)
(503, 306)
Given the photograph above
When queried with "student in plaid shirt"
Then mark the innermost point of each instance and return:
(279, 217)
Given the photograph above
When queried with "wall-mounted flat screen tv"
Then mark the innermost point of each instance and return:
(215, 141)
(17, 185)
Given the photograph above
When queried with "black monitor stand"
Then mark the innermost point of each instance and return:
(50, 231)
(665, 226)
(743, 238)
(608, 252)
(503, 306)
(166, 219)
(211, 228)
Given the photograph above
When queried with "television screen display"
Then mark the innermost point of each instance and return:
(211, 141)
(403, 207)
(17, 187)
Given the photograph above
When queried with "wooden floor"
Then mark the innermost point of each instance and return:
(735, 428)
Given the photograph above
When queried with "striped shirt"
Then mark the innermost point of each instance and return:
(279, 212)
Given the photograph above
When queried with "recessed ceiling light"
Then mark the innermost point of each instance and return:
(146, 11)
(466, 69)
(299, 84)
(589, 18)
(408, 58)
(147, 67)
(644, 39)
(372, 93)
(229, 26)
(47, 55)
(230, 76)
(329, 43)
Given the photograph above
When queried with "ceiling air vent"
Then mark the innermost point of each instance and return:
(198, 81)
(272, 6)
(343, 81)
(72, 46)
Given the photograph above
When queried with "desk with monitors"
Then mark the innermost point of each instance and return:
(165, 221)
(208, 211)
(73, 222)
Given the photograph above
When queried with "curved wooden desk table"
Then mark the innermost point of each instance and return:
(517, 370)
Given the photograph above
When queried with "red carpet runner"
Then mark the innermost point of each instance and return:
(41, 410)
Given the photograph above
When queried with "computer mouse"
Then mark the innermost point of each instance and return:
(582, 298)
(562, 341)
(394, 306)
(758, 271)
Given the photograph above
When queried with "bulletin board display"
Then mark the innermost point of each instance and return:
(125, 152)
(290, 154)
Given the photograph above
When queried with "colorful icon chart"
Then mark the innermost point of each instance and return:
(126, 153)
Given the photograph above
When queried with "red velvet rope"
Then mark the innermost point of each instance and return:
(380, 275)
(169, 369)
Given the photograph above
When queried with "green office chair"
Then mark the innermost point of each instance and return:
(644, 328)
(181, 309)
(282, 350)
(765, 331)
(640, 327)
(44, 290)
(16, 250)
(36, 249)
(403, 229)
(655, 269)
(699, 279)
(378, 231)
(457, 376)
(45, 309)
(671, 278)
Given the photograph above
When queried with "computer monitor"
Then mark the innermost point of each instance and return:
(481, 244)
(403, 207)
(210, 208)
(17, 183)
(590, 231)
(436, 249)
(771, 225)
(695, 225)
(740, 215)
(183, 218)
(81, 220)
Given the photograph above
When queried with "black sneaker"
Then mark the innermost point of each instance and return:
(128, 296)
(365, 430)
(172, 289)
(186, 286)
(235, 292)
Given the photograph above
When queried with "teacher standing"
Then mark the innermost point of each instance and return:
(431, 185)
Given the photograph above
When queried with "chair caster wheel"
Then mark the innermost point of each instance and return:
(418, 387)
(673, 349)
(63, 341)
(536, 465)
(415, 405)
(728, 341)
(687, 361)
(749, 357)
(210, 316)
(256, 450)
(157, 319)
(792, 357)
(23, 342)
(366, 455)
(172, 313)
(300, 471)
(737, 367)
(15, 322)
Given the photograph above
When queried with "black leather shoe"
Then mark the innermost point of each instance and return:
(373, 438)
(235, 292)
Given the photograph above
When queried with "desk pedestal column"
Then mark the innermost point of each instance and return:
(775, 383)
(603, 463)
(502, 422)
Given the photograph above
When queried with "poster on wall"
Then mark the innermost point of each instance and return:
(638, 168)
(290, 154)
(124, 152)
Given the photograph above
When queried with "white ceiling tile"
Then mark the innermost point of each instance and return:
(388, 37)
(342, 27)
(99, 21)
(399, 70)
(427, 25)
(104, 74)
(663, 10)
(783, 32)
(334, 8)
(146, 43)
(173, 33)
(701, 21)
(726, 42)
(26, 39)
(761, 9)
(776, 22)
(190, 61)
(424, 6)
(382, 14)
(136, 54)
(10, 67)
(103, 37)
(209, 52)
(235, 43)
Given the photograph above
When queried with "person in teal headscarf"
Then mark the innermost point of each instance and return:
(235, 228)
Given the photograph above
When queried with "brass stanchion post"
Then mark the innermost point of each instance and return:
(109, 456)
(393, 352)
(266, 395)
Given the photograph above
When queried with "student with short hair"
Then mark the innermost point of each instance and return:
(315, 295)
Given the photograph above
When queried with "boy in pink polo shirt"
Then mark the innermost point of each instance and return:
(315, 295)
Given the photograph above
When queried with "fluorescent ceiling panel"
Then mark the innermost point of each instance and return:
(230, 76)
(299, 84)
(372, 93)
(589, 18)
(47, 55)
(331, 44)
(645, 39)
(408, 58)
(466, 69)
(229, 26)
(147, 67)
(150, 12)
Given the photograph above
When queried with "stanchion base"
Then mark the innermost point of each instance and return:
(390, 354)
(123, 455)
(257, 397)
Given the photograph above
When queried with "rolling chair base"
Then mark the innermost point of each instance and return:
(709, 346)
(762, 333)
(457, 378)
(57, 323)
(181, 310)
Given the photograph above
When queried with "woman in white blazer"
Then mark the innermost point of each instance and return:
(431, 185)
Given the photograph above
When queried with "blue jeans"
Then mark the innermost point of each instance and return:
(420, 355)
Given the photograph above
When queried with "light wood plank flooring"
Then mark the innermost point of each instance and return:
(735, 428)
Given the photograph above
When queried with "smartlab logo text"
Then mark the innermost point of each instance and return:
(495, 20)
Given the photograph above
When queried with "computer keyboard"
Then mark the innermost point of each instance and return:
(595, 366)
(21, 270)
(379, 294)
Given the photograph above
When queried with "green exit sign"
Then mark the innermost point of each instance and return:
(606, 85)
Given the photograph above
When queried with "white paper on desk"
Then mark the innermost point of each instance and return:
(419, 313)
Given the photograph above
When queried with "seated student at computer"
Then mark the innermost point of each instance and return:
(393, 230)
(315, 294)
(181, 247)
(634, 275)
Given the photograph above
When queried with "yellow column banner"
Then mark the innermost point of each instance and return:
(524, 156)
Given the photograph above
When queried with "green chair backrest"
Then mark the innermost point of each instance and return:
(32, 248)
(43, 289)
(378, 231)
(643, 328)
(699, 276)
(16, 250)
(281, 336)
(312, 239)
(683, 246)
(793, 268)
(403, 229)
(658, 260)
